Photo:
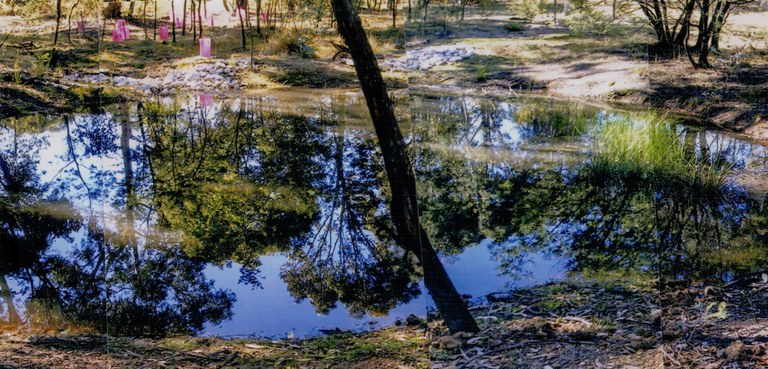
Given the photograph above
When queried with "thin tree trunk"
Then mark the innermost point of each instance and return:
(13, 315)
(258, 17)
(200, 20)
(69, 22)
(144, 20)
(394, 13)
(192, 17)
(184, 19)
(242, 27)
(173, 21)
(403, 205)
(128, 183)
(58, 22)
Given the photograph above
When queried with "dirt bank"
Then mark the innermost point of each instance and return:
(620, 67)
(614, 326)
(400, 348)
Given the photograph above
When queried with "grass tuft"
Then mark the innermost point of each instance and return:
(649, 147)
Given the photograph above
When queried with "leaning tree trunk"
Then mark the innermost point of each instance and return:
(402, 182)
(69, 22)
(13, 315)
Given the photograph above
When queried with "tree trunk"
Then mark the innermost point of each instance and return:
(154, 33)
(403, 205)
(69, 22)
(144, 20)
(58, 23)
(128, 183)
(394, 13)
(200, 20)
(242, 27)
(13, 315)
(183, 19)
(173, 21)
(258, 18)
(192, 16)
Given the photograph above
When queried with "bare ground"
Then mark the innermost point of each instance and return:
(614, 326)
(621, 67)
(396, 348)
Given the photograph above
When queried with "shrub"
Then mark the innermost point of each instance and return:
(293, 43)
(528, 9)
(112, 11)
(590, 21)
(513, 27)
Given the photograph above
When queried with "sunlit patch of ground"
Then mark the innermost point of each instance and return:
(620, 66)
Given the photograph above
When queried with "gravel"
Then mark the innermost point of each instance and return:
(428, 57)
(206, 75)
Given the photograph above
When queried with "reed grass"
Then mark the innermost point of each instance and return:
(648, 147)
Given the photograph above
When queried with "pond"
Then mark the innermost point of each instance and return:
(267, 216)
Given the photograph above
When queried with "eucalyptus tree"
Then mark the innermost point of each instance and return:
(403, 204)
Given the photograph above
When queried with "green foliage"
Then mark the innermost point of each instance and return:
(112, 10)
(649, 147)
(546, 120)
(513, 26)
(36, 7)
(293, 42)
(314, 77)
(528, 9)
(481, 74)
(591, 21)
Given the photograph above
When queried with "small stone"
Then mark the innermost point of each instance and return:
(448, 343)
(733, 351)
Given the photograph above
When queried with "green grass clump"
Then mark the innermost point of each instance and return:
(650, 148)
(292, 42)
(312, 77)
(547, 120)
(513, 27)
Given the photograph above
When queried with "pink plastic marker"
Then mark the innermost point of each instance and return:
(265, 16)
(178, 22)
(126, 33)
(205, 47)
(164, 33)
(206, 100)
(120, 23)
(81, 27)
(117, 35)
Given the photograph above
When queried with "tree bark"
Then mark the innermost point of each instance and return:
(183, 19)
(13, 315)
(173, 21)
(403, 205)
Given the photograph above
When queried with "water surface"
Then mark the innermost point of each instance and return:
(267, 216)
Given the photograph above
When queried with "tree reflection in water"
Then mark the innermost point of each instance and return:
(120, 225)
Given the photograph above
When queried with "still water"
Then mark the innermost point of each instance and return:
(266, 216)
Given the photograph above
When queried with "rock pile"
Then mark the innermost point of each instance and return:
(205, 76)
(428, 57)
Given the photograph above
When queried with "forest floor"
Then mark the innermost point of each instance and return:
(508, 57)
(572, 324)
(618, 67)
(391, 348)
(613, 326)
